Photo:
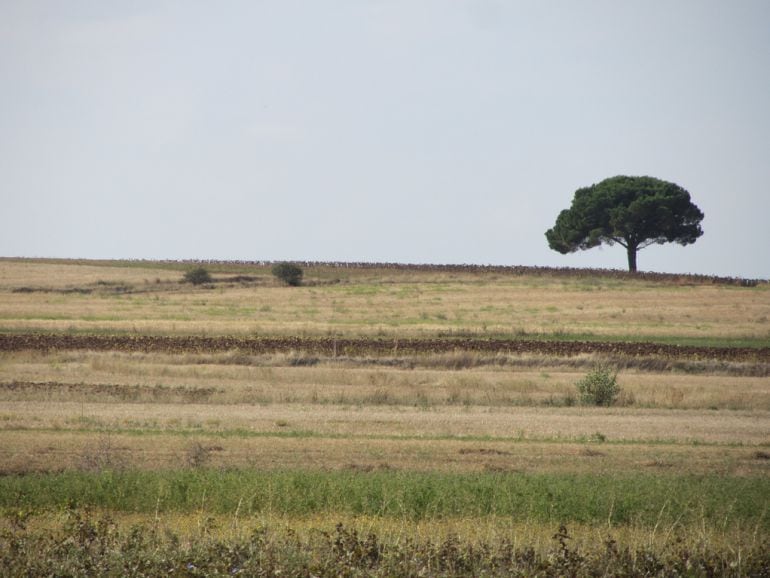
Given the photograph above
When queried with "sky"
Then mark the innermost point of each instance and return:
(414, 131)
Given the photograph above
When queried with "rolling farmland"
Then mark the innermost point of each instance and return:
(387, 413)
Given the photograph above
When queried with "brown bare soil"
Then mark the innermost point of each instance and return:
(367, 346)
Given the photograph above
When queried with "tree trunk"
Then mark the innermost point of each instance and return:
(631, 250)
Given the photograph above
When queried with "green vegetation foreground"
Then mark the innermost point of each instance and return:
(643, 500)
(729, 513)
(98, 547)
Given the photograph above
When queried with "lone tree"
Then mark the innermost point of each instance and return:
(634, 212)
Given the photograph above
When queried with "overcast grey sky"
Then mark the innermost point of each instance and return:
(440, 131)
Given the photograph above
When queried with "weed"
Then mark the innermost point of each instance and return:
(197, 455)
(101, 456)
(87, 545)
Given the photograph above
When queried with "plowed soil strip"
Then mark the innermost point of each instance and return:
(331, 347)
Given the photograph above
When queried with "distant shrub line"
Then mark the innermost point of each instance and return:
(516, 270)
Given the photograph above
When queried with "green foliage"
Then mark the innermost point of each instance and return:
(634, 212)
(289, 273)
(644, 499)
(197, 276)
(599, 386)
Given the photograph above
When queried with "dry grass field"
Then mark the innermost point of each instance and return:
(110, 299)
(353, 422)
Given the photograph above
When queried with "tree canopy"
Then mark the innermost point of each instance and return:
(634, 212)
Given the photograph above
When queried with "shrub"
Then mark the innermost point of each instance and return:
(197, 276)
(289, 273)
(599, 386)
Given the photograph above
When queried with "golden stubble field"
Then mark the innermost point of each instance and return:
(58, 409)
(283, 410)
(39, 296)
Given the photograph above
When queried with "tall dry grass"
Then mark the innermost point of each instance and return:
(428, 381)
(84, 543)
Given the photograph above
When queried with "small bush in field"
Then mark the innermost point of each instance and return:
(289, 273)
(197, 276)
(599, 386)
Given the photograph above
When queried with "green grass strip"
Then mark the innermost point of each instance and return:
(553, 498)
